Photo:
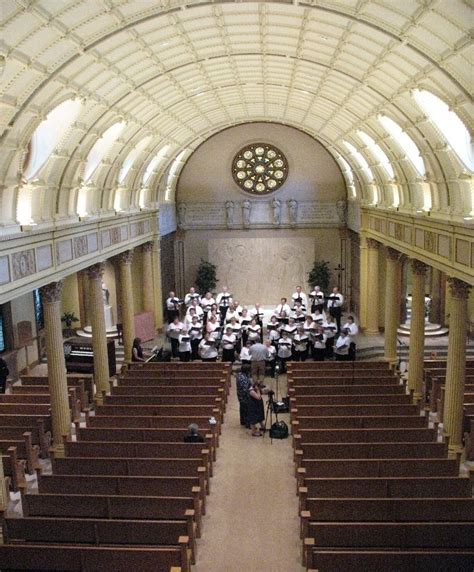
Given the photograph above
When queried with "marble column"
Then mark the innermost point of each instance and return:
(99, 335)
(148, 282)
(392, 303)
(57, 380)
(84, 298)
(372, 321)
(456, 364)
(158, 289)
(435, 293)
(363, 278)
(128, 321)
(417, 329)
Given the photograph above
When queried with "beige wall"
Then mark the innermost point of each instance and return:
(70, 298)
(261, 265)
(313, 173)
(23, 309)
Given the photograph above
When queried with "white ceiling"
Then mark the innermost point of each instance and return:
(183, 71)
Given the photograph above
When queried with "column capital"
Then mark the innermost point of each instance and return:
(372, 243)
(147, 247)
(51, 292)
(125, 257)
(418, 267)
(393, 254)
(96, 271)
(458, 288)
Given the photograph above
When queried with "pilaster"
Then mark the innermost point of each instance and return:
(372, 288)
(125, 263)
(99, 335)
(57, 380)
(363, 276)
(158, 287)
(417, 329)
(456, 363)
(392, 303)
(148, 282)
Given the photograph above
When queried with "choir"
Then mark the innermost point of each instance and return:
(308, 328)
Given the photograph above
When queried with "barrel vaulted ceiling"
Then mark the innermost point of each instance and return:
(179, 72)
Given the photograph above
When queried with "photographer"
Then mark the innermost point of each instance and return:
(256, 410)
(243, 384)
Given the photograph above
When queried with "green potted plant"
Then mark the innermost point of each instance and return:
(206, 279)
(320, 275)
(68, 318)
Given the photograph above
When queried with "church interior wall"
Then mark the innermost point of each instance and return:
(168, 281)
(312, 172)
(22, 309)
(261, 265)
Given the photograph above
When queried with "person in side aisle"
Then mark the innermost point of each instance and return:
(243, 384)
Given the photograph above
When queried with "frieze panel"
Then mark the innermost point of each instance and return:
(80, 246)
(64, 251)
(4, 270)
(44, 257)
(23, 264)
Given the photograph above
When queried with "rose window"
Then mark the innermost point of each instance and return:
(260, 168)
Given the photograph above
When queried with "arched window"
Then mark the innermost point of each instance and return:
(346, 168)
(154, 164)
(448, 122)
(131, 158)
(48, 134)
(174, 167)
(406, 143)
(378, 153)
(100, 148)
(360, 160)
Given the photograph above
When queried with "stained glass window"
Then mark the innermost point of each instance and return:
(260, 168)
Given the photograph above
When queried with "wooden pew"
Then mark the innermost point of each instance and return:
(309, 390)
(384, 487)
(24, 409)
(360, 422)
(160, 410)
(169, 390)
(84, 382)
(414, 467)
(378, 399)
(346, 374)
(339, 365)
(37, 437)
(41, 394)
(349, 410)
(112, 506)
(389, 560)
(100, 531)
(165, 400)
(390, 435)
(301, 381)
(41, 423)
(24, 450)
(140, 449)
(14, 469)
(119, 559)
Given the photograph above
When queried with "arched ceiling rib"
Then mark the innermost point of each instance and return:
(178, 70)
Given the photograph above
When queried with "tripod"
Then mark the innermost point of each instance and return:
(269, 414)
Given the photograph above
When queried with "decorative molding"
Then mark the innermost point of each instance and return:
(51, 293)
(147, 247)
(96, 271)
(373, 244)
(419, 268)
(393, 254)
(458, 288)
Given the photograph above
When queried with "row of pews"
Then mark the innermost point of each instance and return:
(25, 423)
(129, 492)
(376, 488)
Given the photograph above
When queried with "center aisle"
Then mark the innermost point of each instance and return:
(252, 514)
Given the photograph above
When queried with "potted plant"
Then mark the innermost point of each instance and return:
(206, 279)
(68, 318)
(320, 275)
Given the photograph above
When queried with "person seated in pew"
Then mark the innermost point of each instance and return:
(193, 435)
(341, 347)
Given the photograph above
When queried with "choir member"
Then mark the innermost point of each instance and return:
(283, 309)
(319, 339)
(184, 348)
(244, 324)
(330, 328)
(285, 346)
(341, 347)
(245, 353)
(317, 299)
(172, 306)
(206, 303)
(290, 328)
(232, 312)
(273, 330)
(335, 302)
(228, 345)
(190, 296)
(300, 345)
(318, 316)
(254, 331)
(309, 325)
(237, 331)
(299, 296)
(213, 327)
(207, 348)
(270, 360)
(353, 330)
(224, 300)
(197, 308)
(195, 331)
(173, 332)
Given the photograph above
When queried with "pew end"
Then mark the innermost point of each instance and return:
(308, 544)
(304, 525)
(300, 476)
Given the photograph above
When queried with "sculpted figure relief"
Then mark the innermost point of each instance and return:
(341, 207)
(181, 214)
(229, 213)
(276, 206)
(293, 211)
(246, 206)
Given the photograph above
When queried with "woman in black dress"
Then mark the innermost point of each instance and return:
(256, 411)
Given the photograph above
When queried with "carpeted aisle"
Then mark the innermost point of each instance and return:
(252, 513)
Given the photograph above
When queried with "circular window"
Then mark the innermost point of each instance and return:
(260, 168)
